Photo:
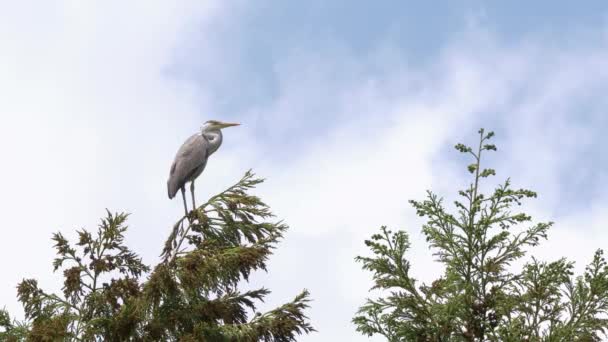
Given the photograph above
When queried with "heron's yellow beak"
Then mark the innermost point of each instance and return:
(227, 124)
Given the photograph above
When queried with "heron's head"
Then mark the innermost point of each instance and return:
(214, 125)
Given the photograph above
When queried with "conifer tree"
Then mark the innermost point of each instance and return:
(480, 296)
(191, 295)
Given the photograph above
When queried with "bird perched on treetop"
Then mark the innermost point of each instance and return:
(191, 158)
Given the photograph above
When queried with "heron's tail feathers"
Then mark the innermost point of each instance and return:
(172, 188)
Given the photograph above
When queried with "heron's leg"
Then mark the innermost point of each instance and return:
(184, 198)
(192, 192)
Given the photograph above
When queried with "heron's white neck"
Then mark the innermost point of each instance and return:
(215, 139)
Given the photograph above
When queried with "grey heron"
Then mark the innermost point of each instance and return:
(192, 156)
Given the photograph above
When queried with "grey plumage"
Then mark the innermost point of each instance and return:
(189, 163)
(192, 156)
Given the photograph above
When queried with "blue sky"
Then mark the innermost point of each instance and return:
(341, 102)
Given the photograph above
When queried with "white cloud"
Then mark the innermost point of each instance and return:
(92, 120)
(87, 121)
(359, 176)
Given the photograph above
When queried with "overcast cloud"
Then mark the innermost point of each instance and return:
(346, 123)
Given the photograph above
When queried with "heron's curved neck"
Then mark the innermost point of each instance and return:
(215, 139)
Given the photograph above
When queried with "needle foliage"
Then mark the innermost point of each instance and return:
(481, 295)
(192, 294)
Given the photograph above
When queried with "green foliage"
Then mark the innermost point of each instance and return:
(191, 295)
(480, 297)
(12, 331)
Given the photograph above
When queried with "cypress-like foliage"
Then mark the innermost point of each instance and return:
(480, 296)
(192, 294)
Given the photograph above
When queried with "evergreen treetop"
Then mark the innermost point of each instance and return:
(191, 295)
(480, 297)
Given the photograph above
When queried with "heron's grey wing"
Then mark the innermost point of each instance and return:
(191, 156)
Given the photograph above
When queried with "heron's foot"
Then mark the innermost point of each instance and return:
(193, 215)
